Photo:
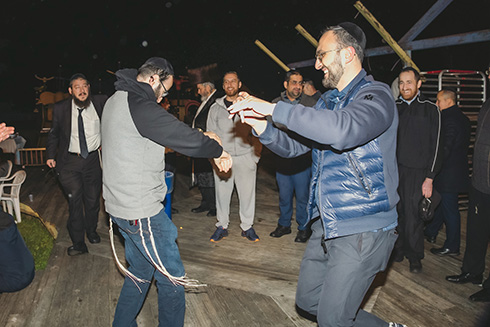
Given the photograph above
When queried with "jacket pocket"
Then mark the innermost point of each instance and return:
(360, 175)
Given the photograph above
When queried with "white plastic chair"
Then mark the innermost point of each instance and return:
(11, 199)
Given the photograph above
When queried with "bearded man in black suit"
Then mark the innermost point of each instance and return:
(202, 169)
(72, 149)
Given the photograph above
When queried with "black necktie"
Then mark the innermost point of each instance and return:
(81, 135)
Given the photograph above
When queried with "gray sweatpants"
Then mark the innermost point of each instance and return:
(332, 285)
(243, 174)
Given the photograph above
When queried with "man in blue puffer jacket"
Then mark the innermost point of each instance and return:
(352, 130)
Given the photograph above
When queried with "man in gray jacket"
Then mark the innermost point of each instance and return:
(135, 132)
(244, 148)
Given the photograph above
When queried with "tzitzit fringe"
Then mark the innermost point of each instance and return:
(183, 280)
(123, 269)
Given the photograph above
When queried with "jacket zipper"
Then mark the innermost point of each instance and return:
(359, 174)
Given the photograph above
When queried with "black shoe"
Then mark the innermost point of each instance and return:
(481, 296)
(93, 237)
(280, 231)
(430, 239)
(416, 266)
(211, 213)
(303, 236)
(443, 251)
(199, 209)
(77, 249)
(465, 278)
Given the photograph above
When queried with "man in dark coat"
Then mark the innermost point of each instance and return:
(453, 177)
(202, 169)
(478, 223)
(419, 161)
(293, 175)
(74, 140)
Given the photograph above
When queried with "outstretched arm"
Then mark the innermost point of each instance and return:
(5, 131)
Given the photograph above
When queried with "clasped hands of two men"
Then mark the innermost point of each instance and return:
(252, 111)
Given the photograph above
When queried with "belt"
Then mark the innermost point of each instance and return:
(79, 155)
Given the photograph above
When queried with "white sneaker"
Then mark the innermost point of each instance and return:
(394, 324)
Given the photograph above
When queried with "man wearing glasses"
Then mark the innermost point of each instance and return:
(293, 175)
(352, 133)
(135, 132)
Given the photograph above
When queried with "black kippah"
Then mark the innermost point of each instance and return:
(356, 32)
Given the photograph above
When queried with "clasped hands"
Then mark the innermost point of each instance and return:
(252, 111)
(224, 162)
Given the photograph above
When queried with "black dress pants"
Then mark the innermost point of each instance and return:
(477, 234)
(81, 180)
(410, 228)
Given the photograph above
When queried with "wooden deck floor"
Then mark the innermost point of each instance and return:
(249, 284)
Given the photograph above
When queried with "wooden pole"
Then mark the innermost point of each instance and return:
(307, 35)
(386, 36)
(270, 54)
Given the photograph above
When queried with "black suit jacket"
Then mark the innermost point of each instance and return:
(59, 136)
(455, 136)
(202, 118)
(202, 165)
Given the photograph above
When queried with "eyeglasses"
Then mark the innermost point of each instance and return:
(297, 82)
(319, 56)
(164, 88)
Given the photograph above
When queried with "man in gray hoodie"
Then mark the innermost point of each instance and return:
(135, 132)
(245, 150)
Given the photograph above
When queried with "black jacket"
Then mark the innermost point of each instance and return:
(59, 136)
(455, 136)
(201, 119)
(202, 165)
(481, 155)
(419, 129)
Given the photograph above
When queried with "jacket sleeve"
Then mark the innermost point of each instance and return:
(54, 134)
(367, 116)
(282, 143)
(156, 124)
(436, 147)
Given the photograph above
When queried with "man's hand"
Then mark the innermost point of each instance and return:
(427, 188)
(213, 136)
(252, 111)
(51, 163)
(5, 131)
(224, 162)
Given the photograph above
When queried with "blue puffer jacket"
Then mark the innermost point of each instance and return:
(354, 172)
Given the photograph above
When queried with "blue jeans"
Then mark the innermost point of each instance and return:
(290, 185)
(448, 213)
(171, 298)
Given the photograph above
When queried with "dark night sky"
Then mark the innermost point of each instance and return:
(60, 37)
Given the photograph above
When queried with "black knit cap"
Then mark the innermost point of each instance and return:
(161, 63)
(356, 32)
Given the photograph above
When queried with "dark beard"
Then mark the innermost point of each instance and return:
(82, 104)
(335, 72)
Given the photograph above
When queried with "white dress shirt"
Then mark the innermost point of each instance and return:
(91, 124)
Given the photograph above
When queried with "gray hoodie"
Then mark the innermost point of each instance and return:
(135, 131)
